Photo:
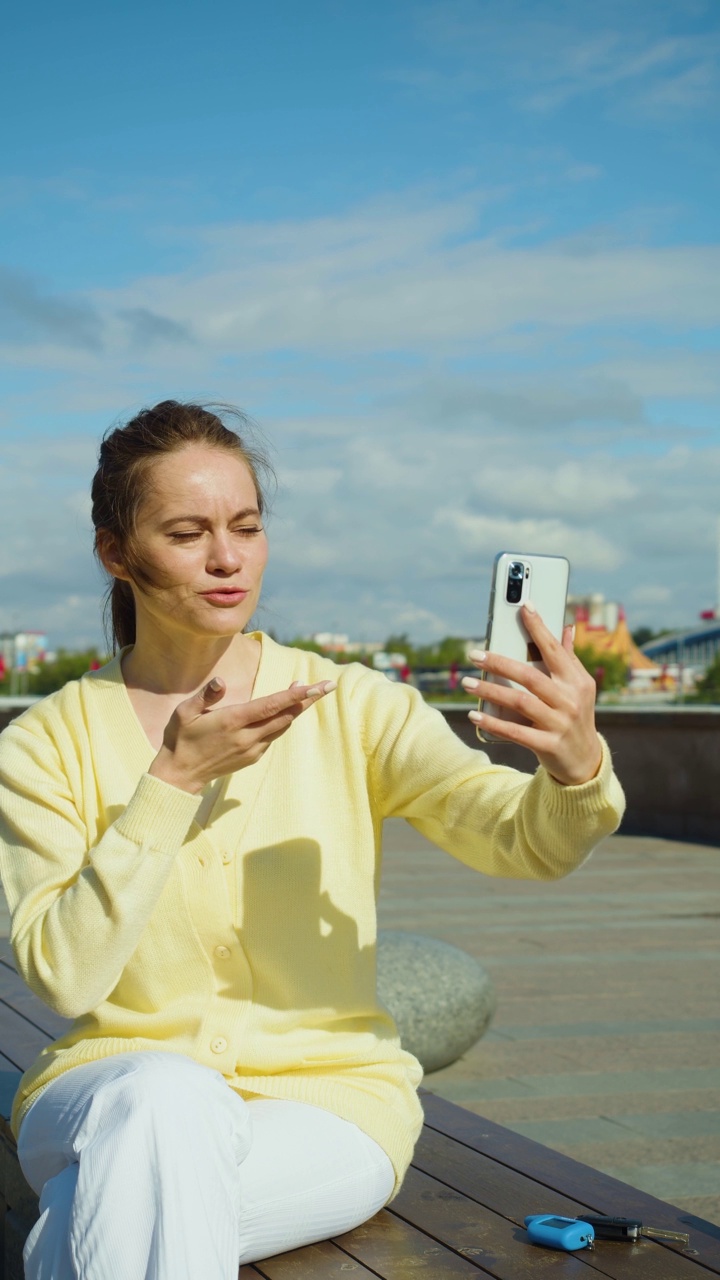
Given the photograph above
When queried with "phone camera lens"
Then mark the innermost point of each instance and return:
(516, 577)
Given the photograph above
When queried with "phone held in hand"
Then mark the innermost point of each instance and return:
(517, 578)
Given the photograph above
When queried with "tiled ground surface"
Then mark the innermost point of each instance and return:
(606, 1042)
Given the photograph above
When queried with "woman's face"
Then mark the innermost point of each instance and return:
(201, 541)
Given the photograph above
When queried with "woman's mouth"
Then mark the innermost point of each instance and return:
(225, 596)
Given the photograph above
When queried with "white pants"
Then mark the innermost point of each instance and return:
(149, 1167)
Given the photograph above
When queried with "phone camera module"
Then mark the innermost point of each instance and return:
(516, 577)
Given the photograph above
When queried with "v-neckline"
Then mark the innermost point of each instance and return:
(141, 747)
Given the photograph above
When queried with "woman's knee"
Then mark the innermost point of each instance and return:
(169, 1095)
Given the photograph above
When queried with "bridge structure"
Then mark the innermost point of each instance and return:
(697, 647)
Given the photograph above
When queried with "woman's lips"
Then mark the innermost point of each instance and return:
(228, 597)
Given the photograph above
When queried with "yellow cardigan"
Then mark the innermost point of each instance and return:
(249, 943)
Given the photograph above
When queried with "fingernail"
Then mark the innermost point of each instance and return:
(327, 686)
(530, 606)
(572, 635)
(476, 716)
(470, 683)
(477, 655)
(213, 685)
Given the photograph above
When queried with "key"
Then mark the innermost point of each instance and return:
(629, 1229)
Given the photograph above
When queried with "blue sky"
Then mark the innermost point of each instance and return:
(460, 262)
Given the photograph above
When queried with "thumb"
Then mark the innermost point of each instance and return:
(211, 692)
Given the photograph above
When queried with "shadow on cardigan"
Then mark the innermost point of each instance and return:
(303, 948)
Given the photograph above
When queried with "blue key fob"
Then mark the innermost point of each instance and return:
(559, 1233)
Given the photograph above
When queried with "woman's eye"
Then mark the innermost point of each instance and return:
(190, 535)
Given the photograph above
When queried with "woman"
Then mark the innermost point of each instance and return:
(190, 848)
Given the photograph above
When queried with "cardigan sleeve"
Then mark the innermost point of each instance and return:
(496, 819)
(78, 911)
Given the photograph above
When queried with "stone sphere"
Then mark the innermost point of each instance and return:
(440, 997)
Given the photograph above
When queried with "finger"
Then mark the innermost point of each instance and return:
(300, 696)
(519, 701)
(207, 697)
(523, 673)
(549, 646)
(275, 726)
(535, 740)
(568, 639)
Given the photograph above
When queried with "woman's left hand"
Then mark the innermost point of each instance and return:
(559, 707)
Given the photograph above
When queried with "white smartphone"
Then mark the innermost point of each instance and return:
(517, 578)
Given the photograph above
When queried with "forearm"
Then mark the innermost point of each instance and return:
(510, 824)
(75, 928)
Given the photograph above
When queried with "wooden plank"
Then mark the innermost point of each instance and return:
(506, 1191)
(322, 1261)
(501, 1244)
(489, 1240)
(16, 1192)
(14, 1236)
(15, 993)
(563, 1176)
(7, 955)
(396, 1250)
(248, 1273)
(9, 1081)
(21, 1041)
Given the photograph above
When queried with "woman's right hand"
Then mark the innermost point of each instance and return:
(203, 742)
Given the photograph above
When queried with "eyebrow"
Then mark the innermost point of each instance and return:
(196, 519)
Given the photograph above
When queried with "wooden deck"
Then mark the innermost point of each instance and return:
(460, 1211)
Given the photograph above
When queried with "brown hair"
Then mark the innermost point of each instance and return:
(120, 484)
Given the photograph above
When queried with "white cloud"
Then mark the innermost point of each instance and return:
(648, 593)
(410, 278)
(644, 59)
(312, 482)
(431, 295)
(407, 476)
(486, 535)
(590, 488)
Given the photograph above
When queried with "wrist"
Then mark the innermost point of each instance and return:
(578, 777)
(167, 769)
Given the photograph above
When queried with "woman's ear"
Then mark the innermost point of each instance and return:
(109, 555)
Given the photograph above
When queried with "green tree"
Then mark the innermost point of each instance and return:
(68, 665)
(607, 669)
(308, 645)
(707, 688)
(643, 635)
(443, 653)
(401, 644)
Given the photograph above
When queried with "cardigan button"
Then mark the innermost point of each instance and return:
(219, 1044)
(226, 857)
(222, 952)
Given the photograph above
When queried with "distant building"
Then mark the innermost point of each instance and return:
(601, 625)
(21, 654)
(335, 642)
(696, 648)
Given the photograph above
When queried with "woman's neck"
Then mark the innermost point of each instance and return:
(172, 666)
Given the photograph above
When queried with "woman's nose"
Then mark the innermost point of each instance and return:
(224, 556)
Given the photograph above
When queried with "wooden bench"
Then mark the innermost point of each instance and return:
(459, 1214)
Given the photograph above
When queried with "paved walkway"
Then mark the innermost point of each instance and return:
(606, 1041)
